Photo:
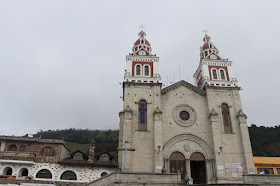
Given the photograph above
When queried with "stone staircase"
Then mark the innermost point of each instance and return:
(125, 179)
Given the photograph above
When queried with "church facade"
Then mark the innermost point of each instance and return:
(196, 129)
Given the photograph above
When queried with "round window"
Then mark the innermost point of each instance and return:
(184, 115)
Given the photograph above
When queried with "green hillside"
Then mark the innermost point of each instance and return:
(265, 140)
(106, 140)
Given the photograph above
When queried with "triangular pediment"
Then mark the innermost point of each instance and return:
(184, 84)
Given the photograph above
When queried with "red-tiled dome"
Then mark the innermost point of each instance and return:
(146, 42)
(205, 46)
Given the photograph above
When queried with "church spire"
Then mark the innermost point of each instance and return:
(142, 65)
(142, 46)
(209, 50)
(213, 70)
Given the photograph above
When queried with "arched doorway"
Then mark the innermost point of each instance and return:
(198, 169)
(177, 163)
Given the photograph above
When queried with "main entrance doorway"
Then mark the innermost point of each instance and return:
(198, 169)
(177, 163)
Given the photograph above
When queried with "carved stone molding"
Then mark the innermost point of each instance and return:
(187, 137)
(184, 108)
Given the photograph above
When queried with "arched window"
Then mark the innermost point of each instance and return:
(214, 73)
(68, 175)
(48, 151)
(7, 171)
(12, 147)
(104, 174)
(44, 173)
(147, 70)
(226, 118)
(142, 117)
(138, 70)
(23, 172)
(222, 74)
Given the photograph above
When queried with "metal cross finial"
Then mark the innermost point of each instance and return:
(205, 31)
(142, 27)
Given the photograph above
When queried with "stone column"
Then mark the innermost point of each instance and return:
(167, 165)
(188, 169)
(209, 174)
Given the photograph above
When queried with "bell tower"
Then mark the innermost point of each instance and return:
(213, 70)
(141, 64)
(140, 137)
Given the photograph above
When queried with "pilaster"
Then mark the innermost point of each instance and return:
(158, 140)
(219, 163)
(248, 155)
(126, 137)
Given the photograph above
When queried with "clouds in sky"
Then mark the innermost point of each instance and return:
(62, 61)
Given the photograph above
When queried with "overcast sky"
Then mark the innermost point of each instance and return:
(62, 61)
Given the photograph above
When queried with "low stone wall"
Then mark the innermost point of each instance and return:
(261, 179)
(154, 179)
(5, 182)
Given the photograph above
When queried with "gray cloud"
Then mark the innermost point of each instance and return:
(61, 61)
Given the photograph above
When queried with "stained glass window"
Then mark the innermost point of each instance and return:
(147, 70)
(226, 118)
(222, 74)
(138, 70)
(142, 112)
(215, 74)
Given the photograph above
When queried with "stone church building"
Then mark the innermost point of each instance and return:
(199, 129)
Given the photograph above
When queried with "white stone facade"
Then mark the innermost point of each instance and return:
(83, 173)
(200, 138)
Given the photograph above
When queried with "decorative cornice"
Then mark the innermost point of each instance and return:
(218, 87)
(142, 84)
(185, 84)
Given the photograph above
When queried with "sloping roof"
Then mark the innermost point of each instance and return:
(37, 140)
(104, 152)
(74, 152)
(185, 84)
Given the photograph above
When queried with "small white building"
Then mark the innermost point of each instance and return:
(50, 160)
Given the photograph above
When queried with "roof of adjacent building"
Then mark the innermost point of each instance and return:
(36, 140)
(70, 161)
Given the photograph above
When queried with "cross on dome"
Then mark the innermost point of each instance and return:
(205, 31)
(142, 45)
(142, 27)
(208, 47)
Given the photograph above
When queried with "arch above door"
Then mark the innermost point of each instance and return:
(188, 138)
